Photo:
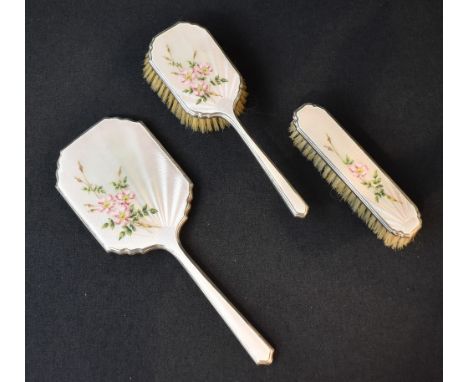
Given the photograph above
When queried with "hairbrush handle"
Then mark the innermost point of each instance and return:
(257, 347)
(293, 200)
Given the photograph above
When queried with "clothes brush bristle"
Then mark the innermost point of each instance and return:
(202, 125)
(359, 208)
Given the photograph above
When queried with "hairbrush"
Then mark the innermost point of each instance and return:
(370, 192)
(194, 78)
(134, 198)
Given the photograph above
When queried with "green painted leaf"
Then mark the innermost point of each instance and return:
(348, 160)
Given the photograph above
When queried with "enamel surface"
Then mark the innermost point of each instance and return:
(183, 40)
(392, 207)
(154, 180)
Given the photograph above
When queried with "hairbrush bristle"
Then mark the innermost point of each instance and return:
(389, 238)
(202, 125)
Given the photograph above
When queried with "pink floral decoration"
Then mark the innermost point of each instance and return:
(121, 208)
(198, 78)
(188, 77)
(200, 89)
(125, 197)
(122, 217)
(107, 204)
(359, 170)
(203, 70)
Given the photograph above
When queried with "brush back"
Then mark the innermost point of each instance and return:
(359, 172)
(195, 70)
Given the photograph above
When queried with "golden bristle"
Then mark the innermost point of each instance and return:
(202, 125)
(389, 238)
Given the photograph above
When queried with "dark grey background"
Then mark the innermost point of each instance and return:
(336, 303)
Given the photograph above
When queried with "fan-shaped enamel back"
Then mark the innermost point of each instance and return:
(195, 69)
(360, 173)
(124, 186)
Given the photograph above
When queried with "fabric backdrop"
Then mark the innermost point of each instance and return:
(336, 304)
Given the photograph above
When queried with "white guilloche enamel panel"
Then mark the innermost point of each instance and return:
(194, 67)
(367, 180)
(124, 186)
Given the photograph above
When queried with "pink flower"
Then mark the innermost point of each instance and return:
(187, 76)
(203, 70)
(200, 89)
(122, 216)
(359, 170)
(107, 204)
(125, 198)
